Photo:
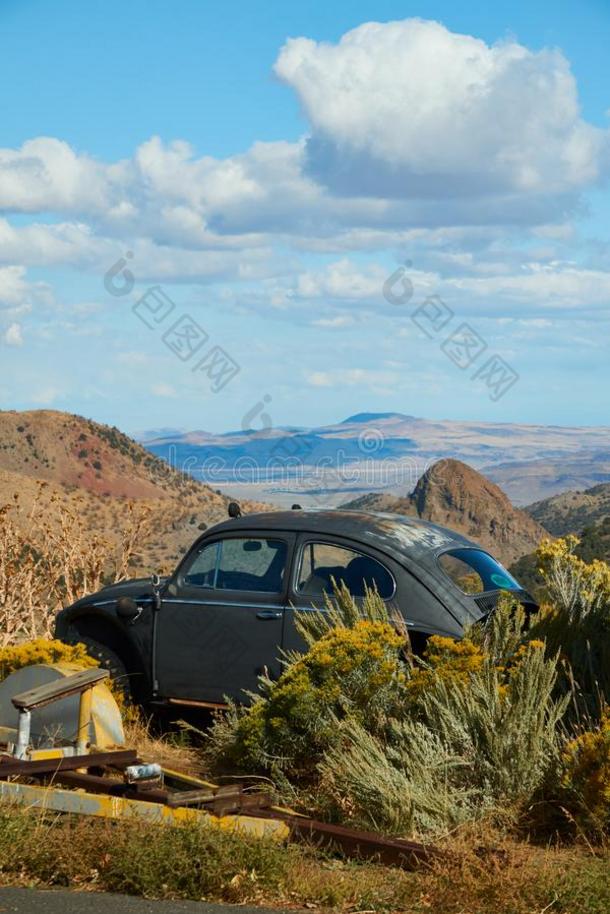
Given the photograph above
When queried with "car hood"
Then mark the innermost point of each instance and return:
(136, 588)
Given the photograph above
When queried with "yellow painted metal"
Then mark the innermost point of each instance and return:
(40, 755)
(56, 725)
(80, 802)
(188, 778)
(106, 724)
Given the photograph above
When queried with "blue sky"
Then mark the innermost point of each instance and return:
(269, 166)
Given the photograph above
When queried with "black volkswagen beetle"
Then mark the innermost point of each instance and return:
(224, 616)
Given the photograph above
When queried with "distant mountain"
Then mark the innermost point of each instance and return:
(537, 480)
(150, 434)
(454, 495)
(388, 452)
(359, 418)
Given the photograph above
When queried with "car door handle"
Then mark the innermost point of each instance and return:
(269, 614)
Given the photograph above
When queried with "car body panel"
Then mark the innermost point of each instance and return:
(204, 644)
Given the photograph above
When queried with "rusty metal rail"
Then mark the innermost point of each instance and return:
(99, 790)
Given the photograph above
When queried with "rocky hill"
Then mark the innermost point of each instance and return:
(69, 450)
(571, 512)
(453, 494)
(54, 461)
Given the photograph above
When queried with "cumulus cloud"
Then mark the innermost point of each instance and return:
(411, 127)
(12, 336)
(13, 286)
(421, 141)
(46, 174)
(409, 108)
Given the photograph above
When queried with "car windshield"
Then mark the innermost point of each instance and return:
(475, 571)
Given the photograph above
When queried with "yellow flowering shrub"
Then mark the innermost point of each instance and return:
(575, 621)
(586, 775)
(349, 672)
(42, 650)
(46, 650)
(573, 585)
(450, 662)
(447, 659)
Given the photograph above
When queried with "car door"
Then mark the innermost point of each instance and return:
(320, 561)
(221, 618)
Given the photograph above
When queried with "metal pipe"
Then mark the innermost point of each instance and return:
(84, 720)
(23, 734)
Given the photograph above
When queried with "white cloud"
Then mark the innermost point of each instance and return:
(333, 323)
(409, 108)
(46, 174)
(163, 390)
(13, 336)
(13, 285)
(412, 127)
(422, 142)
(352, 377)
(45, 396)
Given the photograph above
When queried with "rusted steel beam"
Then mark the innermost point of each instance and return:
(362, 844)
(11, 767)
(231, 793)
(94, 783)
(226, 805)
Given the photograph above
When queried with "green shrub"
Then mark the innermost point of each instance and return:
(576, 622)
(478, 739)
(585, 783)
(349, 673)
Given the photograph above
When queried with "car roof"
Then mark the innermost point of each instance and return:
(397, 534)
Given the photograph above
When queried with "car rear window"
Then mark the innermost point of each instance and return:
(475, 571)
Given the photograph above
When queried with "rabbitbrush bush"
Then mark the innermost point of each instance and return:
(480, 737)
(402, 746)
(42, 650)
(585, 784)
(576, 621)
(351, 671)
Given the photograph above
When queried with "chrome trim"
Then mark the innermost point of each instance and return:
(314, 609)
(278, 607)
(114, 600)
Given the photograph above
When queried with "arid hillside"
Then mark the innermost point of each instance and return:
(572, 511)
(69, 450)
(52, 462)
(453, 494)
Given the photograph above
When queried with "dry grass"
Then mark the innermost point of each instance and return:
(170, 750)
(483, 874)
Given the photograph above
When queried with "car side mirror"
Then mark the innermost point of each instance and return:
(127, 609)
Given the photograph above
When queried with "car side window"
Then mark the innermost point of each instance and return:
(323, 563)
(251, 564)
